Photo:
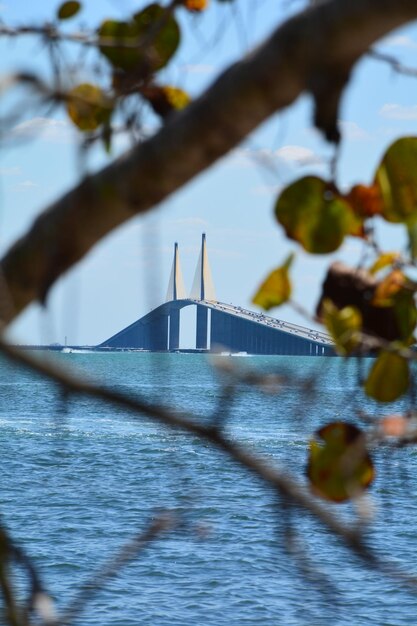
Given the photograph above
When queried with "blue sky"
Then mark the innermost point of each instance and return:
(128, 272)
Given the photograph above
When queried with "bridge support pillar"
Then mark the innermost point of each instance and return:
(174, 329)
(202, 328)
(157, 338)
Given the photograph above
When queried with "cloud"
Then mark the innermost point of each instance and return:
(352, 131)
(26, 185)
(399, 112)
(294, 155)
(10, 171)
(399, 41)
(48, 129)
(299, 155)
(266, 190)
(250, 157)
(197, 68)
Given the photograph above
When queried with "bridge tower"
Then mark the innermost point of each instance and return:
(176, 291)
(203, 290)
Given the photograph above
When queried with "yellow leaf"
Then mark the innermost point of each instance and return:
(384, 260)
(343, 325)
(389, 377)
(88, 107)
(177, 98)
(339, 468)
(276, 289)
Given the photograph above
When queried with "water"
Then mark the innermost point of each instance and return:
(79, 479)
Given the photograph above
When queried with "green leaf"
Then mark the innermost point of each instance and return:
(339, 468)
(314, 215)
(167, 34)
(406, 315)
(343, 325)
(68, 9)
(412, 239)
(88, 107)
(389, 377)
(146, 43)
(111, 33)
(396, 177)
(276, 289)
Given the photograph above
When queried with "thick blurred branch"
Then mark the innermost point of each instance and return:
(314, 51)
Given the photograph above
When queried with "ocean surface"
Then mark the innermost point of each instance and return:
(79, 479)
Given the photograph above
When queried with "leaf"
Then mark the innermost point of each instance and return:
(125, 55)
(146, 43)
(167, 34)
(396, 178)
(384, 260)
(177, 98)
(314, 215)
(412, 239)
(196, 6)
(365, 201)
(406, 315)
(389, 377)
(88, 107)
(397, 292)
(68, 9)
(394, 425)
(388, 288)
(348, 286)
(341, 468)
(165, 99)
(343, 325)
(276, 289)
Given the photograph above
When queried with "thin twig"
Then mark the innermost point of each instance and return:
(111, 569)
(190, 424)
(393, 62)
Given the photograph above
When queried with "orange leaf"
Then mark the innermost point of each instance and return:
(388, 288)
(196, 6)
(365, 201)
(394, 425)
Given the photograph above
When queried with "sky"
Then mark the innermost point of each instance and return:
(127, 274)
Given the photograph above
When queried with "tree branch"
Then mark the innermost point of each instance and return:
(350, 536)
(192, 425)
(314, 51)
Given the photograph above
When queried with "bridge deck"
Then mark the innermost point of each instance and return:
(231, 326)
(266, 320)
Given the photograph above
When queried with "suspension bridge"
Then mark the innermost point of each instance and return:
(219, 326)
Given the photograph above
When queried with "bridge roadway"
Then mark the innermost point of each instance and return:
(228, 327)
(271, 322)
